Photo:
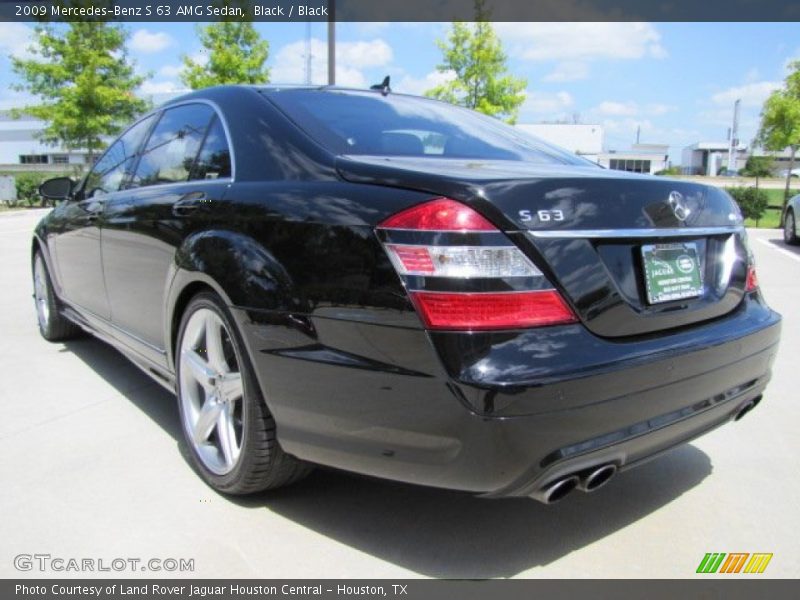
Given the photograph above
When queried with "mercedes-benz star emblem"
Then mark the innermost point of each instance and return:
(678, 205)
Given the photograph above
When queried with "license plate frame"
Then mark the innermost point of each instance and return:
(671, 272)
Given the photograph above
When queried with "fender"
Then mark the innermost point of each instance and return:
(40, 244)
(235, 266)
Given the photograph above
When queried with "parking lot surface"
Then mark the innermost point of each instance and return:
(93, 466)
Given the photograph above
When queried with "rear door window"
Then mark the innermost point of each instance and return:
(170, 153)
(214, 160)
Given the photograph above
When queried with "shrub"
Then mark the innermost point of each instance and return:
(28, 187)
(752, 201)
(669, 171)
(758, 166)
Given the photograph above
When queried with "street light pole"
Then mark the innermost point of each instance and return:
(331, 42)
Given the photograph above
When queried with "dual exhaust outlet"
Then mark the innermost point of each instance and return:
(588, 480)
(594, 478)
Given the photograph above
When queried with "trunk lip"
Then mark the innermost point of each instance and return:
(650, 232)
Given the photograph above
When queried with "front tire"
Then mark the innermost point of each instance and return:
(790, 228)
(227, 426)
(53, 326)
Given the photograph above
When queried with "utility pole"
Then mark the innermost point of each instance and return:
(308, 53)
(331, 42)
(734, 142)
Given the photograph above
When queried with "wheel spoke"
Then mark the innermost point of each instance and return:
(207, 420)
(201, 370)
(227, 436)
(230, 386)
(214, 350)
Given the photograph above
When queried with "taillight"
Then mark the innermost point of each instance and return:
(441, 214)
(752, 279)
(462, 273)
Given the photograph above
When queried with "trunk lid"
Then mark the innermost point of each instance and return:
(603, 237)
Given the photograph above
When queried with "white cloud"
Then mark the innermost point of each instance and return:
(610, 108)
(581, 41)
(568, 70)
(170, 71)
(752, 94)
(161, 87)
(200, 57)
(364, 54)
(149, 42)
(15, 40)
(546, 105)
(617, 109)
(418, 86)
(351, 58)
(657, 110)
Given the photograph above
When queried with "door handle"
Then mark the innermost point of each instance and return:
(94, 208)
(188, 204)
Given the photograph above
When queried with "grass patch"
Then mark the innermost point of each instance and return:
(770, 220)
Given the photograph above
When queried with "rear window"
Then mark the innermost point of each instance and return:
(352, 122)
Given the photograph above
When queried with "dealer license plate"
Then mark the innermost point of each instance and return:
(671, 272)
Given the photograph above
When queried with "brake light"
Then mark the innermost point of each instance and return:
(441, 214)
(462, 273)
(752, 279)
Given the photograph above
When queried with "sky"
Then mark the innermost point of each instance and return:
(676, 81)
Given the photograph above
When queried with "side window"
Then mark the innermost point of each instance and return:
(172, 148)
(108, 172)
(214, 160)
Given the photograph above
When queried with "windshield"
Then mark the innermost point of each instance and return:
(352, 122)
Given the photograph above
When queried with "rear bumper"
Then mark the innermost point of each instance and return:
(501, 415)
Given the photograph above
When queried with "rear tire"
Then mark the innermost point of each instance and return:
(226, 423)
(53, 326)
(790, 228)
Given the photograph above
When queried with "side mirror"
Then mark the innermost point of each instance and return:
(58, 188)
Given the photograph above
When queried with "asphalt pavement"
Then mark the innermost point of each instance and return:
(93, 467)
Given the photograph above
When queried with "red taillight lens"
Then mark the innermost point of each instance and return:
(752, 279)
(441, 214)
(492, 310)
(461, 279)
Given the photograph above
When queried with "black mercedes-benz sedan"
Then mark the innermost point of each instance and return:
(394, 286)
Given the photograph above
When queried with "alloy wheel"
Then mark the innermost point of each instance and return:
(211, 392)
(788, 227)
(40, 292)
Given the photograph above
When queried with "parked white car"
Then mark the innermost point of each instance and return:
(785, 172)
(790, 220)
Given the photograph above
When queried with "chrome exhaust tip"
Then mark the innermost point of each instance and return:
(747, 407)
(596, 478)
(744, 410)
(557, 490)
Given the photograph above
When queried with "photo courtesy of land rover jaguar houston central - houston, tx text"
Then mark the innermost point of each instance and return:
(406, 289)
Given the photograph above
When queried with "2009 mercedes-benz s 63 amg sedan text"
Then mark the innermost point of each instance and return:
(402, 288)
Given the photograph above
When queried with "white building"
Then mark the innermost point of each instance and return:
(641, 158)
(584, 140)
(21, 148)
(707, 158)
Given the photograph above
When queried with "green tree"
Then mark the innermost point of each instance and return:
(236, 54)
(474, 53)
(84, 83)
(758, 166)
(780, 122)
(752, 201)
